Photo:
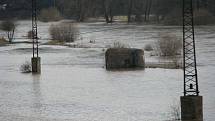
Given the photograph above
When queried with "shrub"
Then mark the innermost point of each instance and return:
(168, 45)
(29, 34)
(175, 112)
(26, 67)
(148, 47)
(50, 14)
(118, 44)
(64, 32)
(203, 17)
(9, 27)
(92, 40)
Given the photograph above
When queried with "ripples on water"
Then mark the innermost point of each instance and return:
(75, 86)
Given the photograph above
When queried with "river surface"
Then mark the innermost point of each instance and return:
(74, 85)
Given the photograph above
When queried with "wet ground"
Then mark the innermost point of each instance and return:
(74, 85)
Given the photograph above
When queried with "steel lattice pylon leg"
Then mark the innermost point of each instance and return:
(191, 102)
(34, 29)
(190, 69)
(36, 66)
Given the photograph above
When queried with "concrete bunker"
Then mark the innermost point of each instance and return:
(124, 58)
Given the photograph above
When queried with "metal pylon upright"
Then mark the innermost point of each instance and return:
(190, 70)
(34, 29)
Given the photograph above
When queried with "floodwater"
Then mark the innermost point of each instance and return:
(74, 85)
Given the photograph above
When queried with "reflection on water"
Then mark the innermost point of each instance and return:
(37, 96)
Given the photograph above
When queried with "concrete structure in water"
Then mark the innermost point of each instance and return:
(122, 58)
(36, 65)
(191, 108)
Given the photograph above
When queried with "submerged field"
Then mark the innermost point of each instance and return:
(74, 84)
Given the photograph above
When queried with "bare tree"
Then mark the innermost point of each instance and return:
(146, 9)
(81, 10)
(198, 4)
(108, 10)
(130, 7)
(85, 9)
(9, 27)
(149, 9)
(148, 6)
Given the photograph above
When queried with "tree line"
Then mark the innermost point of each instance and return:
(81, 10)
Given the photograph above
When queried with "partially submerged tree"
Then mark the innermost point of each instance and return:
(29, 34)
(64, 32)
(26, 67)
(130, 8)
(9, 27)
(118, 44)
(169, 45)
(108, 10)
(175, 112)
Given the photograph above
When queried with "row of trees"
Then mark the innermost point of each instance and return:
(81, 10)
(135, 10)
